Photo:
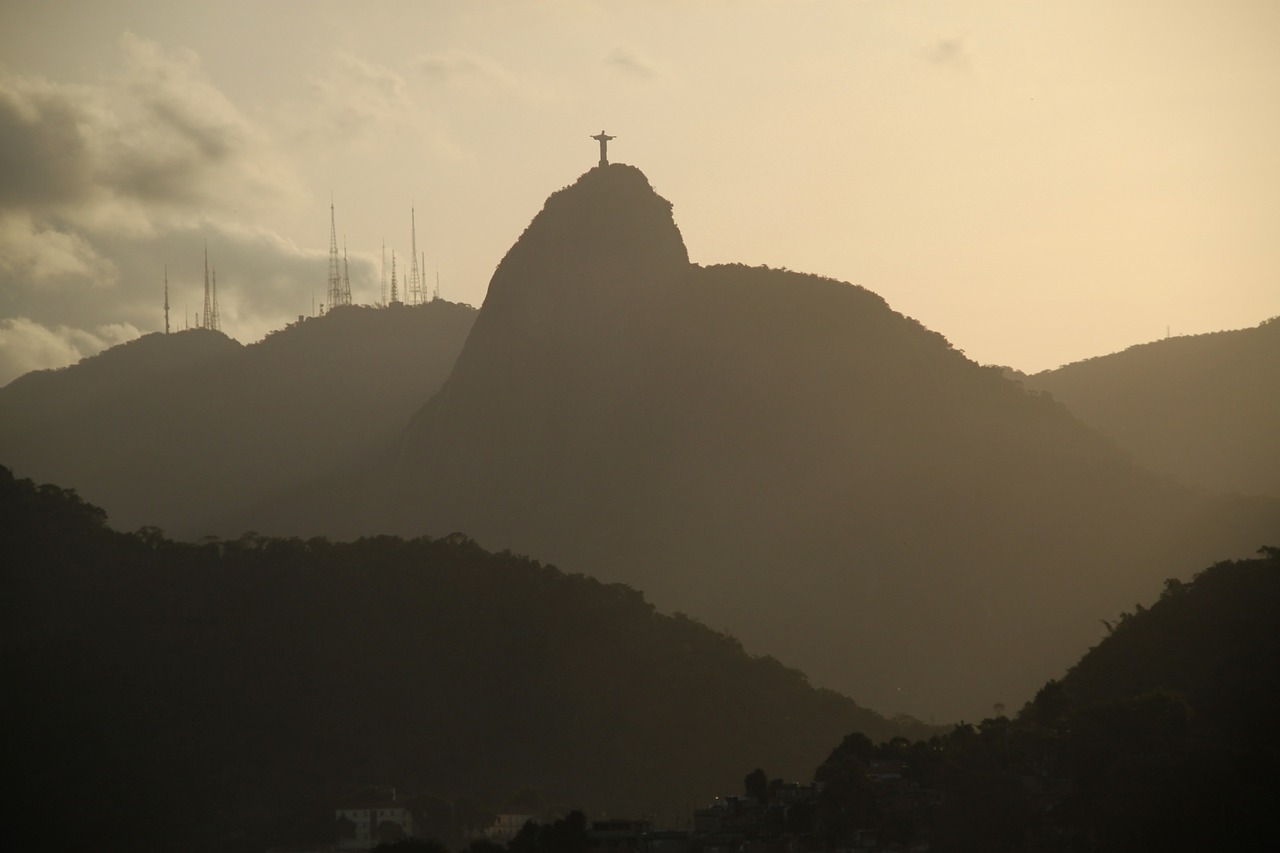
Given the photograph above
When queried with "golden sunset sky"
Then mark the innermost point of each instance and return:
(1038, 181)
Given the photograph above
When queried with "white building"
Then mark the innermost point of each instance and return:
(365, 825)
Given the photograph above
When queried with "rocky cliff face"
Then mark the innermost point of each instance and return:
(546, 398)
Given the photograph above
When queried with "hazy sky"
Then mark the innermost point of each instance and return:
(1038, 181)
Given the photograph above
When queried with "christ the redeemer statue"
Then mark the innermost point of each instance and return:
(604, 145)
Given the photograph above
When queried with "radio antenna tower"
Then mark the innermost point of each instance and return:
(215, 322)
(436, 293)
(334, 295)
(166, 299)
(382, 277)
(414, 285)
(395, 294)
(208, 298)
(346, 276)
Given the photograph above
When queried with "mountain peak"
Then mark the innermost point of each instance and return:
(607, 240)
(580, 286)
(609, 208)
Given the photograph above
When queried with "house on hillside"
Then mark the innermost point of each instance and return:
(504, 828)
(728, 815)
(365, 825)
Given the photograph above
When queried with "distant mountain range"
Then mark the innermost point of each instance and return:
(780, 455)
(787, 457)
(185, 431)
(228, 695)
(1204, 408)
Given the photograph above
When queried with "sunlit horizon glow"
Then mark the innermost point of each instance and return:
(1039, 183)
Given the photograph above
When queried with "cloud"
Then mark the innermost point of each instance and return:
(156, 135)
(153, 140)
(444, 67)
(43, 153)
(948, 53)
(105, 184)
(263, 282)
(627, 62)
(26, 345)
(175, 129)
(32, 254)
(359, 99)
(480, 72)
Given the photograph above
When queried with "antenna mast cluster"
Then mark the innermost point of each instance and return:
(208, 304)
(414, 285)
(416, 289)
(209, 319)
(346, 276)
(333, 297)
(215, 321)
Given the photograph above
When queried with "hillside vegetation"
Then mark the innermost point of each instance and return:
(227, 694)
(1203, 408)
(1157, 739)
(781, 455)
(186, 431)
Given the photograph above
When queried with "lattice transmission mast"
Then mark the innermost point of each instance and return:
(414, 285)
(333, 296)
(214, 321)
(208, 295)
(346, 276)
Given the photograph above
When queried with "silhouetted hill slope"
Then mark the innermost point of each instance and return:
(785, 456)
(1157, 739)
(1164, 726)
(1204, 408)
(1212, 639)
(181, 431)
(227, 695)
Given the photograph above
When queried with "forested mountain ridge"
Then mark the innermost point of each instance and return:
(227, 694)
(1163, 726)
(1201, 407)
(1157, 739)
(184, 431)
(782, 455)
(1211, 639)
